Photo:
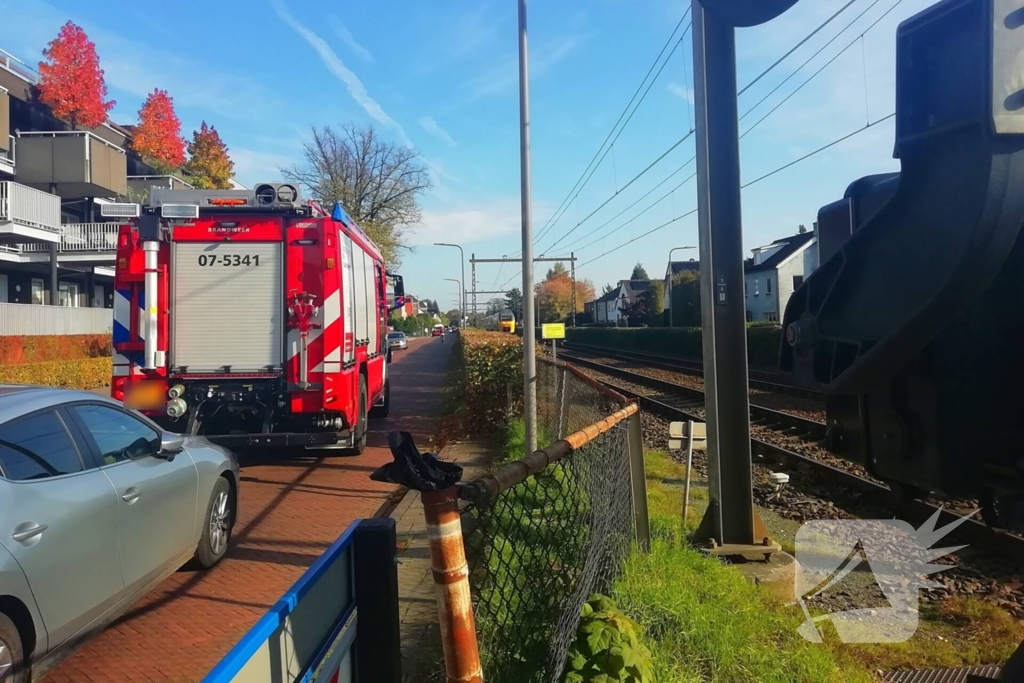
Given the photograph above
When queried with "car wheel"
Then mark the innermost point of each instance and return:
(359, 440)
(12, 657)
(220, 517)
(383, 410)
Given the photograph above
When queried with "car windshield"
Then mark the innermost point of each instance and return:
(395, 335)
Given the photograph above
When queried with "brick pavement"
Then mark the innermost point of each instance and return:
(417, 607)
(290, 512)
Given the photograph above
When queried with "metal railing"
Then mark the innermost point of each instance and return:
(38, 320)
(542, 534)
(84, 134)
(9, 155)
(83, 237)
(18, 67)
(28, 206)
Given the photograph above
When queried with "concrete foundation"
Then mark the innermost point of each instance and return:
(778, 575)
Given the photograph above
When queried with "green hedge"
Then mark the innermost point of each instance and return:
(89, 373)
(17, 350)
(485, 364)
(684, 343)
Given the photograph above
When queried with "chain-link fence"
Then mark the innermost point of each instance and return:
(546, 532)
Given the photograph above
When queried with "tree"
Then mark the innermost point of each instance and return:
(71, 81)
(801, 229)
(606, 289)
(655, 304)
(454, 314)
(639, 273)
(555, 294)
(157, 138)
(514, 302)
(209, 164)
(686, 299)
(377, 182)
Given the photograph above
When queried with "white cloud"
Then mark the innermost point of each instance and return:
(681, 91)
(434, 128)
(253, 166)
(467, 224)
(334, 64)
(345, 36)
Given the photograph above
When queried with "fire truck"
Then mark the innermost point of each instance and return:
(252, 318)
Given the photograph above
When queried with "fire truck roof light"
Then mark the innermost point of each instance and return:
(179, 211)
(119, 210)
(229, 202)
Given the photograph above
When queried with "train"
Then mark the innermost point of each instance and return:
(502, 321)
(912, 324)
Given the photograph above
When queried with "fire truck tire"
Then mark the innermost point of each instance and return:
(220, 516)
(359, 437)
(11, 655)
(382, 411)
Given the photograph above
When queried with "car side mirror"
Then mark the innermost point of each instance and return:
(171, 444)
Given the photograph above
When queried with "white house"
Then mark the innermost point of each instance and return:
(774, 272)
(608, 308)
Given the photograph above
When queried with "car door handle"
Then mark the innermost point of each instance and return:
(131, 495)
(30, 532)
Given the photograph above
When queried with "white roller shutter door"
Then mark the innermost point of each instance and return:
(360, 292)
(226, 306)
(348, 295)
(373, 329)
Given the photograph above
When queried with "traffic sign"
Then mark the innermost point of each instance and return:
(552, 331)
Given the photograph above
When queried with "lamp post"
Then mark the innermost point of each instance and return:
(671, 276)
(459, 283)
(462, 262)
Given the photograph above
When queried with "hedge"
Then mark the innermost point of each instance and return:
(684, 343)
(88, 373)
(16, 350)
(485, 363)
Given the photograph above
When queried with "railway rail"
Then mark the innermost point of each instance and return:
(757, 379)
(775, 435)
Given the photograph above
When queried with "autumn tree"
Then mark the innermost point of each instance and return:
(71, 81)
(157, 138)
(378, 182)
(209, 165)
(555, 294)
(639, 273)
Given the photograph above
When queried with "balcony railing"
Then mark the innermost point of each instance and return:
(8, 156)
(83, 237)
(72, 164)
(28, 207)
(18, 67)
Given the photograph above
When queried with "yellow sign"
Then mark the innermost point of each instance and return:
(552, 331)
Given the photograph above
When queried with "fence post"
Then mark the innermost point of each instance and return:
(689, 467)
(378, 646)
(638, 481)
(451, 586)
(563, 414)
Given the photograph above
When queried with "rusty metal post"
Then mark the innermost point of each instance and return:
(638, 481)
(451, 586)
(689, 468)
(563, 414)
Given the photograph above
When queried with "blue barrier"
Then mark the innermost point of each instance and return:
(312, 634)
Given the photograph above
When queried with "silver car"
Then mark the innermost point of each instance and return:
(398, 340)
(97, 506)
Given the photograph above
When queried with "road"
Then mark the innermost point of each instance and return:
(290, 512)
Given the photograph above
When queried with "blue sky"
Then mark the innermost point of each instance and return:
(442, 76)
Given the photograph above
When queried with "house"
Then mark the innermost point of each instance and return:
(774, 272)
(55, 246)
(673, 269)
(609, 307)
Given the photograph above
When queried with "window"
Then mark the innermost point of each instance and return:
(118, 435)
(36, 448)
(750, 317)
(797, 281)
(744, 289)
(771, 316)
(38, 295)
(68, 294)
(757, 288)
(768, 286)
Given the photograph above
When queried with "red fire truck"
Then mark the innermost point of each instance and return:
(252, 318)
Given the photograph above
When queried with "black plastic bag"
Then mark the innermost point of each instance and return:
(415, 470)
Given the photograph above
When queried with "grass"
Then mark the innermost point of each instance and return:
(703, 620)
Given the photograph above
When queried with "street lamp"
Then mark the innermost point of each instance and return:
(461, 299)
(462, 261)
(671, 276)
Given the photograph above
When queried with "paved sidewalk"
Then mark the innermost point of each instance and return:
(421, 644)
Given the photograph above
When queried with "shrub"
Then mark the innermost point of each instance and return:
(487, 363)
(89, 373)
(679, 342)
(607, 647)
(15, 350)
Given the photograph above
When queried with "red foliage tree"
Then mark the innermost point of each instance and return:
(209, 163)
(71, 80)
(157, 138)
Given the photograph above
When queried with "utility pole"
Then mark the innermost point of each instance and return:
(730, 525)
(529, 333)
(472, 260)
(572, 269)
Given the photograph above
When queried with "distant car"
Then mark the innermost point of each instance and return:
(437, 331)
(97, 506)
(398, 340)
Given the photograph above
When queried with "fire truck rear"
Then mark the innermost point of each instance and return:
(252, 318)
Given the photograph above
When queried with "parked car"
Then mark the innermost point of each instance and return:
(437, 330)
(97, 506)
(398, 340)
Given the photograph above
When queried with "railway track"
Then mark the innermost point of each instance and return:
(778, 437)
(757, 379)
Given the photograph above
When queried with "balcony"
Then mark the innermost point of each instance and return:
(83, 237)
(140, 185)
(7, 156)
(72, 164)
(28, 215)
